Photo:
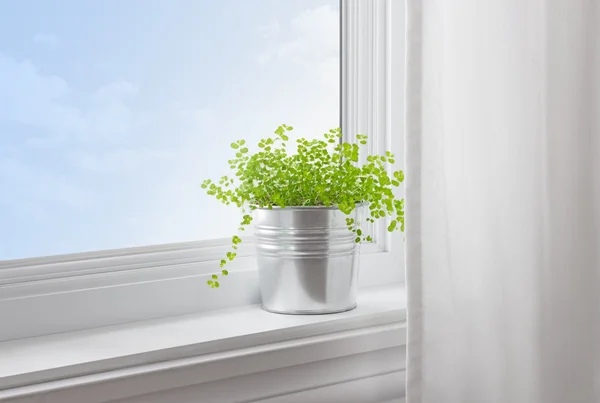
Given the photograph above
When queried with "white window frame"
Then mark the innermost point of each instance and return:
(48, 295)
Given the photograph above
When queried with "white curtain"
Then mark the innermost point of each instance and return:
(503, 168)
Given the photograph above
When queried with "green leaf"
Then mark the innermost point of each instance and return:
(214, 276)
(392, 225)
(235, 146)
(224, 272)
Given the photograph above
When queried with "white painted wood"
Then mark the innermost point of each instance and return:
(13, 272)
(394, 45)
(55, 274)
(91, 301)
(365, 390)
(321, 381)
(199, 348)
(373, 88)
(366, 104)
(369, 377)
(275, 370)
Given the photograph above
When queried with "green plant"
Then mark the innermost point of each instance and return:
(323, 172)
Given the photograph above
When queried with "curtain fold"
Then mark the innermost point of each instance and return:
(502, 203)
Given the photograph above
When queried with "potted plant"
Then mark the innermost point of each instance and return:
(308, 206)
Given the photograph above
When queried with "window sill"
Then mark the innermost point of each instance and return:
(197, 348)
(119, 287)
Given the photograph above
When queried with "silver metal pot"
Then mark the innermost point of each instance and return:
(307, 259)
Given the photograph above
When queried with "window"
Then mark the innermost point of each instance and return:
(112, 114)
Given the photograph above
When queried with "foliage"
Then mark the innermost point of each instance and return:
(321, 172)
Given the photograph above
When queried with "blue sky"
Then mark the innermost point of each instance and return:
(113, 112)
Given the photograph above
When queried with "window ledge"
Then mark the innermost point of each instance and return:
(120, 287)
(200, 347)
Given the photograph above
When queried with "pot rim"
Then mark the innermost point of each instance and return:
(358, 204)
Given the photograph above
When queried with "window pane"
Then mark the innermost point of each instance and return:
(113, 112)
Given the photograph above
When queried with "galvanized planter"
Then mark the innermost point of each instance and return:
(307, 259)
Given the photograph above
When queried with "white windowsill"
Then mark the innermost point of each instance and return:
(125, 286)
(34, 365)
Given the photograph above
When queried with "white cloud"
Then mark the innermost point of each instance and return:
(42, 106)
(35, 99)
(115, 92)
(264, 58)
(270, 32)
(109, 119)
(46, 39)
(111, 136)
(316, 36)
(271, 29)
(194, 118)
(27, 183)
(123, 161)
(313, 43)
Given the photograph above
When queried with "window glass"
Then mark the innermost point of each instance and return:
(113, 112)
